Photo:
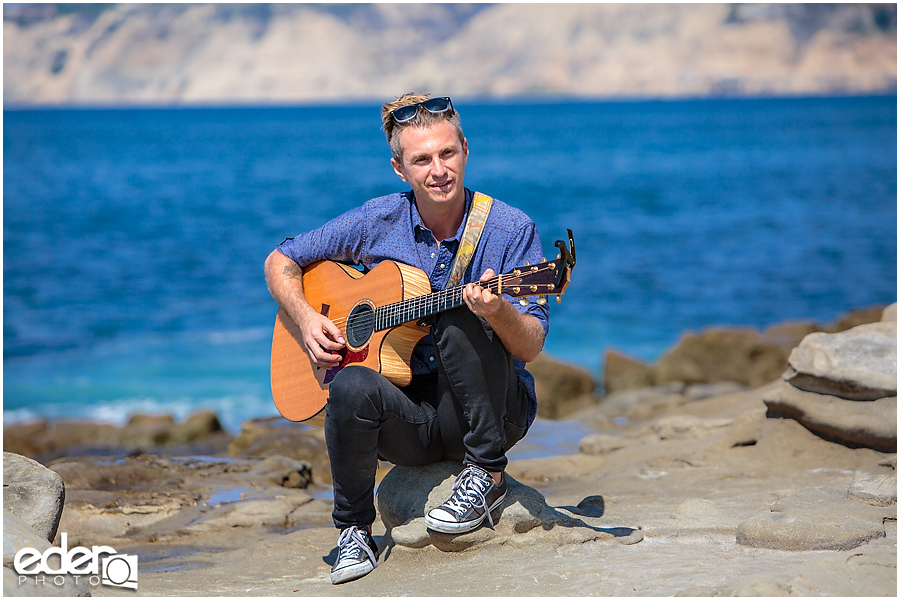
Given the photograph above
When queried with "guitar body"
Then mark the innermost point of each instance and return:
(376, 314)
(299, 388)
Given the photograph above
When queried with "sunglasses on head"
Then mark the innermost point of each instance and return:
(432, 105)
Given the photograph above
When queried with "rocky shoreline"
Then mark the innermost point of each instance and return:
(691, 487)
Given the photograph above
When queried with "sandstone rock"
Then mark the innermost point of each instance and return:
(647, 402)
(686, 427)
(97, 515)
(407, 493)
(276, 436)
(590, 416)
(46, 441)
(262, 512)
(621, 372)
(876, 490)
(285, 472)
(762, 587)
(697, 510)
(625, 401)
(18, 534)
(720, 354)
(856, 317)
(33, 493)
(702, 391)
(695, 516)
(871, 424)
(745, 431)
(741, 355)
(149, 430)
(561, 388)
(570, 466)
(870, 572)
(80, 475)
(598, 444)
(197, 426)
(789, 334)
(889, 314)
(857, 364)
(813, 519)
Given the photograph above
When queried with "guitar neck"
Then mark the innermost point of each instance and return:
(541, 279)
(413, 309)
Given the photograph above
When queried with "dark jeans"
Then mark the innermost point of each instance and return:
(472, 411)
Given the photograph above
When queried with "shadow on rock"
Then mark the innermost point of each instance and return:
(525, 518)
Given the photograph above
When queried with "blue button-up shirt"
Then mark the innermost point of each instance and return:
(390, 228)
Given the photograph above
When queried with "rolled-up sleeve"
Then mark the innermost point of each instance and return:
(340, 239)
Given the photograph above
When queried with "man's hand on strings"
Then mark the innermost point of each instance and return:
(482, 301)
(320, 337)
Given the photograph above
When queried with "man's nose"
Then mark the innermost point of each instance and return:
(438, 167)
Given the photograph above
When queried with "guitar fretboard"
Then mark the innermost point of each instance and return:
(413, 309)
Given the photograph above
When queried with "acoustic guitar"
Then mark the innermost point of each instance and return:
(381, 316)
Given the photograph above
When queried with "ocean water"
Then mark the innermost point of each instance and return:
(134, 239)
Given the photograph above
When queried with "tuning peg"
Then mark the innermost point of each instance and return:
(558, 256)
(527, 264)
(543, 259)
(542, 300)
(524, 301)
(559, 299)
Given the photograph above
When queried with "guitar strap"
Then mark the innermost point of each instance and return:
(478, 214)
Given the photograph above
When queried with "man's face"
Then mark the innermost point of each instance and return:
(434, 164)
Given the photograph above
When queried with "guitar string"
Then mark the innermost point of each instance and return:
(390, 312)
(406, 310)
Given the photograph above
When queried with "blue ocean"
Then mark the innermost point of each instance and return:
(134, 239)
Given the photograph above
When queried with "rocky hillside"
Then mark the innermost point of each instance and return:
(301, 53)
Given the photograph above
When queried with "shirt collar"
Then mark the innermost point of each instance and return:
(417, 218)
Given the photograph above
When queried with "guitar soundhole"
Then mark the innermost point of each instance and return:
(360, 325)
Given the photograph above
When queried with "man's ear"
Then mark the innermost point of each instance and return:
(465, 146)
(398, 169)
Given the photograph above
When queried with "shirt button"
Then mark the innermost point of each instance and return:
(432, 255)
(431, 358)
(443, 265)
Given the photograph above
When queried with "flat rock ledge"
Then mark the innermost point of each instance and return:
(406, 494)
(870, 424)
(817, 519)
(843, 386)
(857, 364)
(876, 490)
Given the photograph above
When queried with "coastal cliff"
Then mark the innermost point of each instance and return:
(187, 54)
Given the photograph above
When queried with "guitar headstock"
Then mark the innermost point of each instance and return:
(543, 279)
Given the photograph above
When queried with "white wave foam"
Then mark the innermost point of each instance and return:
(231, 410)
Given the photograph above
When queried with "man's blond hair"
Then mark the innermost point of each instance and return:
(422, 119)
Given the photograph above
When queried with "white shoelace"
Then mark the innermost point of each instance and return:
(348, 541)
(469, 490)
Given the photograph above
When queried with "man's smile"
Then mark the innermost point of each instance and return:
(443, 186)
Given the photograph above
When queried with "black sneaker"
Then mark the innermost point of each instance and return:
(474, 497)
(356, 555)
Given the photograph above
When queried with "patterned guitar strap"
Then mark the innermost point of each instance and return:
(481, 206)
